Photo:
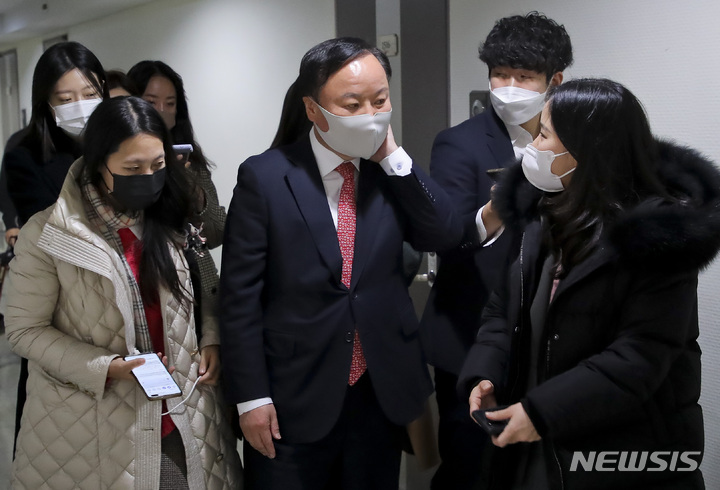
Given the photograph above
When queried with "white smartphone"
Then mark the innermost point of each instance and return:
(154, 377)
(184, 151)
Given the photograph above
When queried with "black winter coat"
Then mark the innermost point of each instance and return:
(619, 367)
(34, 183)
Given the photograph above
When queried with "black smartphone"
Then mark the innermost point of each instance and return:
(492, 427)
(495, 173)
(154, 378)
(184, 151)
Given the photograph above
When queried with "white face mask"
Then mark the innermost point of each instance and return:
(515, 105)
(355, 136)
(536, 167)
(72, 117)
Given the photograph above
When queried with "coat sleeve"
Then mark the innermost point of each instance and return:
(456, 170)
(241, 285)
(210, 328)
(29, 187)
(213, 216)
(432, 222)
(652, 330)
(32, 294)
(9, 215)
(489, 356)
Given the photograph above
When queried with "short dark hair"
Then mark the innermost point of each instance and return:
(316, 67)
(531, 42)
(182, 133)
(56, 61)
(118, 79)
(328, 57)
(119, 119)
(605, 128)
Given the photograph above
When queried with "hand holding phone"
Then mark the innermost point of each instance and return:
(492, 427)
(154, 378)
(183, 153)
(495, 173)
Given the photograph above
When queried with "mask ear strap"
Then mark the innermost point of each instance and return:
(567, 173)
(53, 112)
(103, 178)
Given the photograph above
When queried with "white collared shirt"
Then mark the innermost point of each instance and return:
(520, 138)
(327, 162)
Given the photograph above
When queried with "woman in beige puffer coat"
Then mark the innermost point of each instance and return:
(87, 423)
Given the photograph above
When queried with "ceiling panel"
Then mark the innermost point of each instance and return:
(22, 19)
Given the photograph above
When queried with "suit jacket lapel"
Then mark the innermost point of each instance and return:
(369, 209)
(498, 140)
(306, 185)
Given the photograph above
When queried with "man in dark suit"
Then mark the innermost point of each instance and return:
(525, 55)
(319, 338)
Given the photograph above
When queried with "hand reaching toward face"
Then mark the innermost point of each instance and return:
(388, 146)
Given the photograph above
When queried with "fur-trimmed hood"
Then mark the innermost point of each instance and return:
(652, 233)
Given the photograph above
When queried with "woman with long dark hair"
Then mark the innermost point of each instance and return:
(99, 276)
(163, 87)
(68, 83)
(591, 344)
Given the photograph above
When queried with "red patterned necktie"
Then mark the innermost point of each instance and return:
(346, 238)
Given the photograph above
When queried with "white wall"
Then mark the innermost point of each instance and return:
(237, 59)
(665, 52)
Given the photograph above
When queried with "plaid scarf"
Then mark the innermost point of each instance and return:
(108, 221)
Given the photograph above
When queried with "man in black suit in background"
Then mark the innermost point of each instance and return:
(320, 341)
(525, 55)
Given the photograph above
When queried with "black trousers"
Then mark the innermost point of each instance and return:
(464, 446)
(361, 452)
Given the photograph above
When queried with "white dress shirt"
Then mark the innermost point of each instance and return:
(520, 138)
(397, 163)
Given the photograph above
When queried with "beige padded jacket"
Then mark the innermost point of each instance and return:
(69, 312)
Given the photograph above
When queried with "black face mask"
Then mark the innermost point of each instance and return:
(137, 192)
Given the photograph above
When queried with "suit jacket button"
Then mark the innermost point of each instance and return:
(556, 337)
(349, 337)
